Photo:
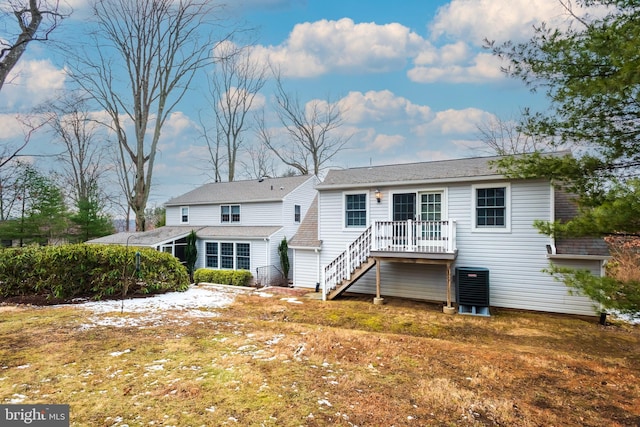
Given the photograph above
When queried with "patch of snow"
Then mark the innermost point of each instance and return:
(292, 300)
(628, 318)
(119, 353)
(264, 295)
(196, 297)
(196, 302)
(17, 398)
(324, 402)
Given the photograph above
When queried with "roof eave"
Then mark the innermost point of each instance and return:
(432, 181)
(222, 202)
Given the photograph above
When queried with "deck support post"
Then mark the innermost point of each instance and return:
(378, 300)
(449, 309)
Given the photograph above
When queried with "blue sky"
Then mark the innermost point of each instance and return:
(411, 76)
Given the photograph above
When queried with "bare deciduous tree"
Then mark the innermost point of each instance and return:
(158, 47)
(11, 151)
(214, 146)
(235, 84)
(36, 19)
(84, 152)
(260, 162)
(311, 132)
(506, 137)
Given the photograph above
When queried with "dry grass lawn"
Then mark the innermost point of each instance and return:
(274, 362)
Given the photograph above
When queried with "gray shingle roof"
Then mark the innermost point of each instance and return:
(269, 189)
(146, 238)
(237, 232)
(565, 208)
(437, 171)
(307, 235)
(168, 233)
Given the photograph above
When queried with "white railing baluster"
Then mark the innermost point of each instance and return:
(393, 236)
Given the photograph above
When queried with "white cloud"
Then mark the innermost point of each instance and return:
(11, 127)
(454, 122)
(314, 48)
(501, 20)
(377, 106)
(479, 68)
(30, 83)
(384, 142)
(239, 96)
(177, 123)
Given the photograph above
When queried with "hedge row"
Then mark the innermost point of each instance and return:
(224, 277)
(83, 270)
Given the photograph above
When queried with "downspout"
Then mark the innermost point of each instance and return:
(317, 269)
(551, 249)
(267, 258)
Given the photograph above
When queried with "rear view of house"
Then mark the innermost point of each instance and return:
(413, 231)
(238, 224)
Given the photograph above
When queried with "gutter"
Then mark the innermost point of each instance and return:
(410, 182)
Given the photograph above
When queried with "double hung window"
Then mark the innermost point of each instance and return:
(230, 213)
(355, 211)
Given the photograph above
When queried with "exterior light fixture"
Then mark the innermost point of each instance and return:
(378, 195)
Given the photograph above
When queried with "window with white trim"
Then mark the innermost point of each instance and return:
(211, 254)
(491, 208)
(228, 255)
(296, 213)
(184, 214)
(230, 213)
(355, 210)
(243, 256)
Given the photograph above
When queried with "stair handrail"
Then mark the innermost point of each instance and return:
(344, 264)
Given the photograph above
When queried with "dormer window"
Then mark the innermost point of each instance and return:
(229, 213)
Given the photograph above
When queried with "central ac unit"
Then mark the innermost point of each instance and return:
(472, 290)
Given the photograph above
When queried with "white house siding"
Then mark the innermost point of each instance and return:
(254, 214)
(415, 281)
(335, 238)
(266, 213)
(303, 195)
(515, 259)
(304, 266)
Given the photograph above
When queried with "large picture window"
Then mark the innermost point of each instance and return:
(228, 255)
(355, 210)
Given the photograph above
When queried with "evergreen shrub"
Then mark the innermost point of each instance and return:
(83, 270)
(223, 277)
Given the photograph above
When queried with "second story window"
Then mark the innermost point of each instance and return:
(184, 214)
(230, 213)
(296, 213)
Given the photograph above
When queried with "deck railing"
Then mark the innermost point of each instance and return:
(414, 236)
(345, 264)
(390, 236)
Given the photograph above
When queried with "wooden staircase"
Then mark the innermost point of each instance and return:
(355, 275)
(350, 265)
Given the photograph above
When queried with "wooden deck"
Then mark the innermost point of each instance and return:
(418, 242)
